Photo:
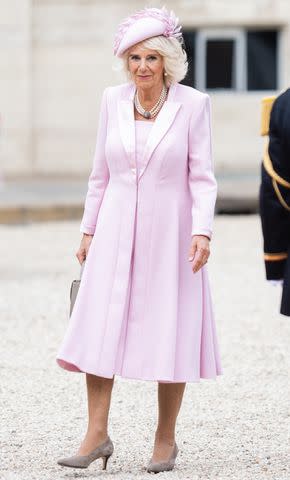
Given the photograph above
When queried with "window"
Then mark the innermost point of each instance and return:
(262, 61)
(220, 72)
(232, 59)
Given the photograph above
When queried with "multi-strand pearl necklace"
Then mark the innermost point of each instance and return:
(154, 110)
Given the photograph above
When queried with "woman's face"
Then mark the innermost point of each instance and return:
(145, 66)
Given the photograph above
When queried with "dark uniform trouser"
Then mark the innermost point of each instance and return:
(276, 232)
(285, 303)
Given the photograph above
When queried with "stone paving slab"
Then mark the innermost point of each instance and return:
(235, 428)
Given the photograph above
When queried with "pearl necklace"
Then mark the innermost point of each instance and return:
(155, 109)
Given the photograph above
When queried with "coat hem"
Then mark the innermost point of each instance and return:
(72, 367)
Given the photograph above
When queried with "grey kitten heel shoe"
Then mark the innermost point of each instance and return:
(157, 467)
(104, 451)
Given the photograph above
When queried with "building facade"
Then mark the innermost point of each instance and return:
(56, 59)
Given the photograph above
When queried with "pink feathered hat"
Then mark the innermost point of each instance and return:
(144, 24)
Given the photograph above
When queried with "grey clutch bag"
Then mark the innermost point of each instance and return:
(74, 289)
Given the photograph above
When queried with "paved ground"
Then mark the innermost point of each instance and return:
(235, 428)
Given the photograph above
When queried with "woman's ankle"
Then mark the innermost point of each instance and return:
(165, 437)
(100, 434)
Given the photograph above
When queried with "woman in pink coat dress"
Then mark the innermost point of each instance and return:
(144, 308)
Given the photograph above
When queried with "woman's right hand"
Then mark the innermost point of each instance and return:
(84, 247)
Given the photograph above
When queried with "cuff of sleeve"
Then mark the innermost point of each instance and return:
(275, 269)
(88, 230)
(205, 232)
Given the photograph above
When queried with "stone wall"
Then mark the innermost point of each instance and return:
(15, 91)
(56, 58)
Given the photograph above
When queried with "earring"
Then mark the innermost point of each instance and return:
(165, 74)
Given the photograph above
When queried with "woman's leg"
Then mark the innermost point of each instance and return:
(169, 402)
(99, 391)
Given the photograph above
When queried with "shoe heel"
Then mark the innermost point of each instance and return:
(105, 461)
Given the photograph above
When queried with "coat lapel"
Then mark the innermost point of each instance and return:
(161, 125)
(127, 126)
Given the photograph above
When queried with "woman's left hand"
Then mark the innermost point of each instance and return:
(199, 252)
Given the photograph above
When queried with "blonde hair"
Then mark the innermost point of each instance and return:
(174, 57)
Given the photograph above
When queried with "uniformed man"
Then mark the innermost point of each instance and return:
(275, 197)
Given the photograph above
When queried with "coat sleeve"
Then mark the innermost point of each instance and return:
(99, 176)
(202, 183)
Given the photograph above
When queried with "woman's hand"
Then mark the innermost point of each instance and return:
(84, 247)
(199, 252)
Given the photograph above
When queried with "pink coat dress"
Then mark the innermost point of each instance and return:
(140, 312)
